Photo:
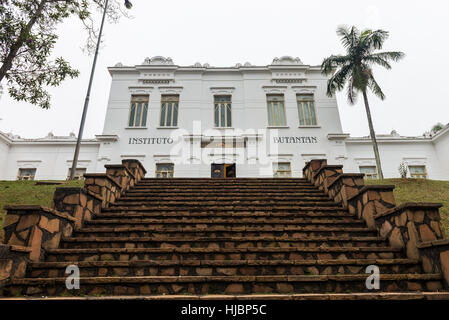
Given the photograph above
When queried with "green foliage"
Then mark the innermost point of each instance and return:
(439, 126)
(27, 38)
(355, 67)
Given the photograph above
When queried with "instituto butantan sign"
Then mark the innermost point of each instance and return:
(168, 140)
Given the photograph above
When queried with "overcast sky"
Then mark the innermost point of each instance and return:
(223, 33)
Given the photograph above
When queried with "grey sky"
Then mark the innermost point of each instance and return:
(223, 33)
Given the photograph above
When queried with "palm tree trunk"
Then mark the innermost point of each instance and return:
(373, 136)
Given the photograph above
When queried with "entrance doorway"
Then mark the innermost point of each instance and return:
(225, 170)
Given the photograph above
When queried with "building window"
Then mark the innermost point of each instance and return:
(418, 172)
(369, 171)
(169, 110)
(282, 170)
(164, 170)
(222, 111)
(26, 174)
(79, 174)
(276, 111)
(138, 111)
(306, 110)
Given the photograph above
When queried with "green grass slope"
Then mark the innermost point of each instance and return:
(27, 192)
(421, 190)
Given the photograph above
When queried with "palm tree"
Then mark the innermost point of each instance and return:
(355, 69)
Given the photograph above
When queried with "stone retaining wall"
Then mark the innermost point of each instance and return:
(414, 227)
(13, 262)
(36, 227)
(30, 229)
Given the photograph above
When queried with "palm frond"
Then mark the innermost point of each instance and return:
(389, 55)
(352, 92)
(377, 38)
(332, 62)
(375, 88)
(377, 60)
(337, 81)
(348, 36)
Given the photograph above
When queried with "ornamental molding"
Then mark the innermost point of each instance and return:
(158, 60)
(222, 90)
(170, 90)
(415, 161)
(304, 89)
(140, 89)
(286, 61)
(274, 89)
(83, 164)
(28, 164)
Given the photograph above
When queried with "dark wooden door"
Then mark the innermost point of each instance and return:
(226, 170)
(217, 170)
(229, 170)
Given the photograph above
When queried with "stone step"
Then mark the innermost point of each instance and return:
(236, 182)
(223, 231)
(385, 296)
(229, 209)
(156, 285)
(222, 267)
(113, 213)
(219, 242)
(224, 180)
(219, 198)
(216, 253)
(159, 188)
(221, 222)
(255, 205)
(225, 193)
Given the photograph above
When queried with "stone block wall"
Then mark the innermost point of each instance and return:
(410, 224)
(102, 186)
(36, 227)
(78, 203)
(435, 257)
(345, 186)
(371, 201)
(136, 168)
(13, 262)
(29, 229)
(312, 167)
(326, 175)
(121, 175)
(414, 227)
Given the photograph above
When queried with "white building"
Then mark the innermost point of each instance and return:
(198, 121)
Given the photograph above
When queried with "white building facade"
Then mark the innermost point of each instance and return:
(203, 121)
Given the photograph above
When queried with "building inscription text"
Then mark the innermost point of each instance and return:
(150, 141)
(295, 139)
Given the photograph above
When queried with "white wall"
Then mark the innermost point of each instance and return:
(51, 161)
(392, 154)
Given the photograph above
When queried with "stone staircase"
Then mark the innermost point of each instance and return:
(236, 236)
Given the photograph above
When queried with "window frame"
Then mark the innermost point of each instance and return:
(173, 99)
(77, 176)
(418, 175)
(277, 172)
(271, 111)
(144, 99)
(370, 175)
(172, 171)
(225, 104)
(20, 177)
(303, 101)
